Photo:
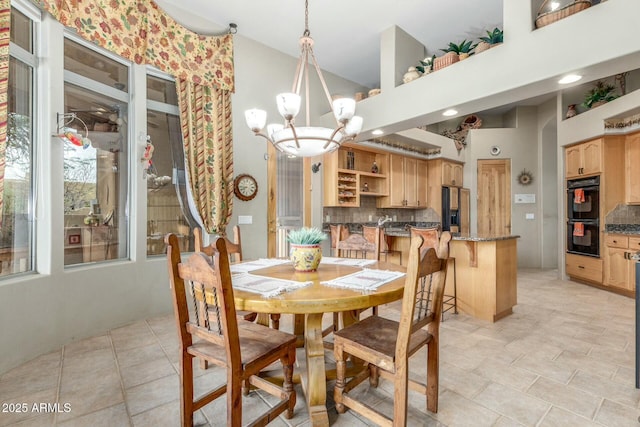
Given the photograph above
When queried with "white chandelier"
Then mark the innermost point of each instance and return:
(306, 141)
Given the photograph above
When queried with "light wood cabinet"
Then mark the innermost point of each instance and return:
(584, 159)
(348, 176)
(422, 178)
(465, 215)
(584, 268)
(632, 169)
(619, 268)
(442, 172)
(405, 189)
(451, 174)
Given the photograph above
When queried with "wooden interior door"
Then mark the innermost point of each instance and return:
(494, 197)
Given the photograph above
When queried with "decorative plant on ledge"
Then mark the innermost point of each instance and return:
(601, 93)
(464, 49)
(492, 38)
(306, 252)
(426, 65)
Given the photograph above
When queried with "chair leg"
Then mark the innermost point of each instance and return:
(374, 375)
(433, 374)
(287, 366)
(275, 321)
(374, 309)
(400, 401)
(186, 397)
(234, 399)
(341, 372)
(455, 288)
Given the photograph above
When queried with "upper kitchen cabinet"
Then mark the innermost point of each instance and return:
(351, 173)
(403, 180)
(583, 159)
(632, 169)
(445, 172)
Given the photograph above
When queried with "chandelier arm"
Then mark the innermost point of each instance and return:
(295, 135)
(330, 140)
(297, 76)
(264, 136)
(320, 76)
(307, 95)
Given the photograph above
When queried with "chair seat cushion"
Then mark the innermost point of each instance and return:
(256, 341)
(378, 336)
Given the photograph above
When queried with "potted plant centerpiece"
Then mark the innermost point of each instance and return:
(492, 39)
(601, 93)
(306, 252)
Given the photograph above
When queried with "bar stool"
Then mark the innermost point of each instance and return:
(369, 233)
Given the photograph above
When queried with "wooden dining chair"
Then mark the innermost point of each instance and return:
(212, 331)
(337, 232)
(386, 345)
(234, 249)
(433, 238)
(369, 233)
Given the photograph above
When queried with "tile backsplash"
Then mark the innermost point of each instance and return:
(368, 208)
(624, 214)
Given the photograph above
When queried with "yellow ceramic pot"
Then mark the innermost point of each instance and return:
(306, 257)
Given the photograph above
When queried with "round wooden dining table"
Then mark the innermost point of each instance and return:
(313, 301)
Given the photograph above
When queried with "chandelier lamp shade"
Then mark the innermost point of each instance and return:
(306, 141)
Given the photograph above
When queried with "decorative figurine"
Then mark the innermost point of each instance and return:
(571, 111)
(365, 187)
(374, 167)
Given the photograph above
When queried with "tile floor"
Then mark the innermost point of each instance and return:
(564, 358)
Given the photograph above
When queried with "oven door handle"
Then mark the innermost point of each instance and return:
(593, 187)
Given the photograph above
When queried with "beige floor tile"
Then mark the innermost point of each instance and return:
(45, 364)
(570, 398)
(47, 420)
(506, 422)
(163, 324)
(138, 355)
(153, 394)
(99, 378)
(25, 411)
(604, 387)
(587, 363)
(553, 369)
(145, 372)
(455, 410)
(26, 384)
(558, 417)
(252, 407)
(619, 357)
(166, 415)
(502, 373)
(615, 414)
(88, 344)
(109, 417)
(465, 383)
(135, 335)
(90, 398)
(512, 403)
(84, 364)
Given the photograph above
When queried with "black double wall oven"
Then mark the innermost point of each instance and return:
(583, 213)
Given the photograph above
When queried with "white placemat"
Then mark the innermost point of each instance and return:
(365, 280)
(245, 267)
(347, 261)
(268, 287)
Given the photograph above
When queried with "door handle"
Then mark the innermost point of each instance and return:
(581, 266)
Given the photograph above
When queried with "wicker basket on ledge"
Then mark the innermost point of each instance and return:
(546, 18)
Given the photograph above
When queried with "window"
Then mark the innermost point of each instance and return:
(167, 208)
(16, 237)
(95, 178)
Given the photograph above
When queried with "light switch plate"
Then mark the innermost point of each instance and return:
(529, 216)
(245, 219)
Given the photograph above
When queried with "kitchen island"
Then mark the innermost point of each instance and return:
(485, 272)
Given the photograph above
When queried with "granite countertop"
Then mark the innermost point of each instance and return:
(475, 237)
(631, 229)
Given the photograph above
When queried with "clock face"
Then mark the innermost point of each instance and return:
(245, 187)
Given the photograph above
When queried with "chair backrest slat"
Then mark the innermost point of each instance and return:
(209, 279)
(423, 293)
(234, 249)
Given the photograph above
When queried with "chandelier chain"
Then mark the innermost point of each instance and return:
(306, 18)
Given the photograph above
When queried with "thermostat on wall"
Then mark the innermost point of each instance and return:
(525, 198)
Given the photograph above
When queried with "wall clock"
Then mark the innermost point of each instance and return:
(245, 187)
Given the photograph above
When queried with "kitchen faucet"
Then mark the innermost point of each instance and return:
(383, 219)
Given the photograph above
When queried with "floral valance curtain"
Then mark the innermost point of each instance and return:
(141, 32)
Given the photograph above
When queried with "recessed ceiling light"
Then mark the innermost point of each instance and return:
(450, 112)
(377, 132)
(569, 78)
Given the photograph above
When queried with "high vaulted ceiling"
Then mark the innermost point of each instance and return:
(346, 32)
